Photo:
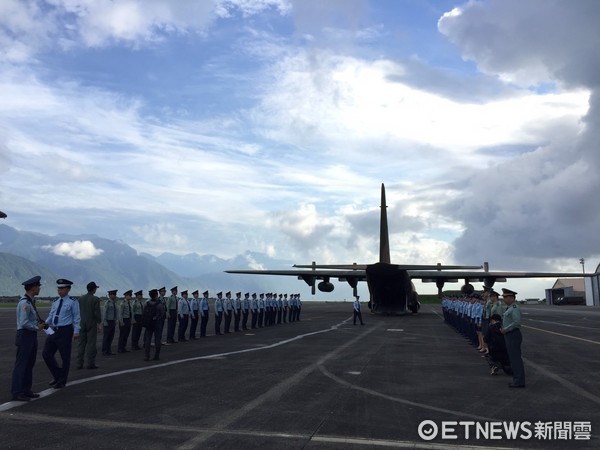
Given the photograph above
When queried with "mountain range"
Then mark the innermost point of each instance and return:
(115, 265)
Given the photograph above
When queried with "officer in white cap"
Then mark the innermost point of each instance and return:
(64, 321)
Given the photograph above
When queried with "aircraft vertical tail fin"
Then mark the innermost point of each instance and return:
(384, 238)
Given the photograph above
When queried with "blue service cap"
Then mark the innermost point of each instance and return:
(33, 281)
(63, 282)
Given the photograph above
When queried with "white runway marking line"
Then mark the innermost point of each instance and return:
(276, 391)
(112, 425)
(9, 405)
(562, 334)
(565, 324)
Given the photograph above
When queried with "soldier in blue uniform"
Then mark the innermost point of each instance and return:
(110, 317)
(511, 328)
(64, 322)
(254, 311)
(183, 313)
(204, 312)
(356, 310)
(195, 313)
(237, 311)
(218, 312)
(245, 310)
(227, 311)
(28, 324)
(172, 315)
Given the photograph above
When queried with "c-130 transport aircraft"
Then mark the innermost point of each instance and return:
(390, 285)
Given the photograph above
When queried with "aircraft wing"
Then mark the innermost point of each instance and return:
(352, 277)
(485, 277)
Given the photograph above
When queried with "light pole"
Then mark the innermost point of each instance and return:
(582, 262)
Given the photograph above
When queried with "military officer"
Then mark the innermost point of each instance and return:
(511, 329)
(28, 324)
(152, 329)
(218, 312)
(136, 328)
(228, 310)
(91, 318)
(286, 305)
(172, 315)
(237, 311)
(64, 324)
(204, 312)
(357, 313)
(183, 312)
(110, 316)
(160, 325)
(125, 314)
(195, 314)
(261, 309)
(254, 311)
(245, 310)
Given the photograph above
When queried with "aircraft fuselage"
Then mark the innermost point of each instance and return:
(392, 291)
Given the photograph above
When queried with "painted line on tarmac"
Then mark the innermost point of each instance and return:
(565, 383)
(562, 334)
(452, 412)
(97, 424)
(564, 324)
(400, 444)
(276, 391)
(13, 404)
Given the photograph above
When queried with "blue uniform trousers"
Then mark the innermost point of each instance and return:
(60, 341)
(22, 378)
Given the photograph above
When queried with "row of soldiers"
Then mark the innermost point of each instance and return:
(491, 324)
(188, 314)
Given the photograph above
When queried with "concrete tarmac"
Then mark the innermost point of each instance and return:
(319, 383)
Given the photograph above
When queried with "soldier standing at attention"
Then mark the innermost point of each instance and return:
(125, 313)
(136, 328)
(153, 327)
(254, 311)
(204, 311)
(163, 301)
(357, 312)
(172, 315)
(194, 316)
(511, 329)
(28, 324)
(63, 321)
(183, 313)
(91, 318)
(261, 309)
(237, 311)
(245, 310)
(110, 316)
(285, 308)
(228, 307)
(218, 312)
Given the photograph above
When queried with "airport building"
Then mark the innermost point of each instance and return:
(585, 291)
(592, 289)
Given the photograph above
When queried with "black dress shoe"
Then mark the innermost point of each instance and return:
(31, 394)
(59, 385)
(146, 359)
(20, 398)
(52, 383)
(79, 367)
(92, 366)
(156, 358)
(513, 385)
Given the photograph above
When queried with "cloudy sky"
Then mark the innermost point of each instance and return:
(220, 126)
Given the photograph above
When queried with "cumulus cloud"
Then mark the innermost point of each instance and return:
(542, 203)
(80, 250)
